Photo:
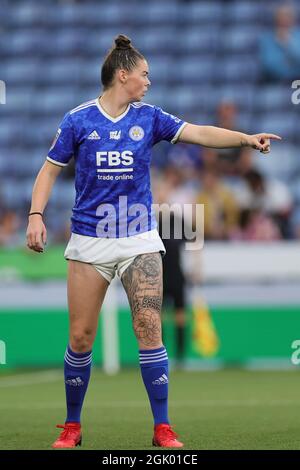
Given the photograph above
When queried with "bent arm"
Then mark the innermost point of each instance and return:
(43, 186)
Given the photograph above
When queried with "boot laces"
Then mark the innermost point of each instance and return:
(69, 431)
(167, 433)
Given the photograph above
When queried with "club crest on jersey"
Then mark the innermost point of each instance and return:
(136, 133)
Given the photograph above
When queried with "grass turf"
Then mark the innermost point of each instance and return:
(228, 409)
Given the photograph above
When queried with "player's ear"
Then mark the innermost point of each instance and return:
(122, 74)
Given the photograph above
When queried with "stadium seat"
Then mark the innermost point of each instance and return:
(152, 13)
(240, 38)
(243, 95)
(238, 68)
(155, 40)
(283, 165)
(201, 13)
(273, 97)
(194, 72)
(20, 71)
(203, 39)
(61, 71)
(282, 123)
(243, 11)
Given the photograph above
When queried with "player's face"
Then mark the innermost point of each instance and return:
(137, 83)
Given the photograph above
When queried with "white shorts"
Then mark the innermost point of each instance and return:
(111, 255)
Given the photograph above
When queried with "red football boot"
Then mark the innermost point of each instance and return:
(164, 436)
(69, 437)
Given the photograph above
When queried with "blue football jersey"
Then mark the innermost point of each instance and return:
(112, 165)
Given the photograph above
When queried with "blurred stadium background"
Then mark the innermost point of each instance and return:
(211, 62)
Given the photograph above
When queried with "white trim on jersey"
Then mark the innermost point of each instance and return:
(139, 104)
(55, 162)
(108, 116)
(80, 108)
(83, 104)
(176, 136)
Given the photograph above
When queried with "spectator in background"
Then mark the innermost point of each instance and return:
(9, 228)
(230, 162)
(272, 197)
(221, 210)
(256, 226)
(280, 48)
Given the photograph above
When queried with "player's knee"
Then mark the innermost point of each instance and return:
(81, 341)
(147, 329)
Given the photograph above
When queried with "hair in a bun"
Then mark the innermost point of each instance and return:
(121, 56)
(122, 42)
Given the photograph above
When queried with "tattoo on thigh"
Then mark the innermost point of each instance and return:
(142, 281)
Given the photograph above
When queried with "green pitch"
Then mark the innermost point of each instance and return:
(229, 409)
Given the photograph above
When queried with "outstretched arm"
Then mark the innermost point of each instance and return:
(216, 137)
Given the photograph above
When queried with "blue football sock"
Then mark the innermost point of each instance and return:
(154, 369)
(77, 370)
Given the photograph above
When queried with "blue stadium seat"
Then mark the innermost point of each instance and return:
(98, 43)
(201, 13)
(283, 123)
(243, 11)
(90, 72)
(240, 38)
(57, 100)
(160, 69)
(155, 40)
(191, 71)
(152, 13)
(18, 100)
(61, 71)
(194, 40)
(239, 68)
(282, 162)
(273, 97)
(242, 95)
(185, 98)
(64, 42)
(23, 42)
(19, 71)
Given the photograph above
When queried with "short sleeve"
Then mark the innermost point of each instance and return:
(166, 127)
(63, 145)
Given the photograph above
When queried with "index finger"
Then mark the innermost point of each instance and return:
(272, 136)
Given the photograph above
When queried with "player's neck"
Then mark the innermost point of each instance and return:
(112, 104)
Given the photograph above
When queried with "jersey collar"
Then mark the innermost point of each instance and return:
(108, 116)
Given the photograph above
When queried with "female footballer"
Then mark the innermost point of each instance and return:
(113, 224)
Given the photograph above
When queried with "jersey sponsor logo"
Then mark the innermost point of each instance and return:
(55, 138)
(136, 133)
(116, 135)
(112, 159)
(94, 136)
